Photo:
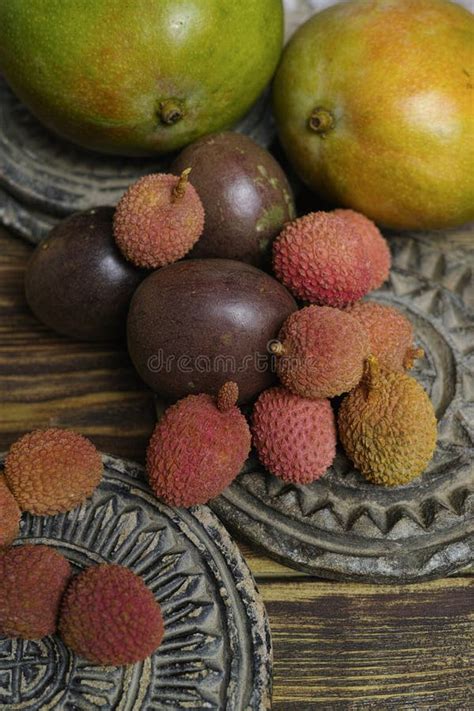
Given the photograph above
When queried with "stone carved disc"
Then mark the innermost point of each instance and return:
(216, 653)
(342, 526)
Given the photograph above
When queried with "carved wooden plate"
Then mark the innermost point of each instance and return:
(216, 653)
(342, 526)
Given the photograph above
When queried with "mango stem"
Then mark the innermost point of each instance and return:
(321, 121)
(171, 111)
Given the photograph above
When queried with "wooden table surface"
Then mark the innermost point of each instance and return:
(336, 645)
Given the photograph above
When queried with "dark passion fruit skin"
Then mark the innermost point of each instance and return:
(246, 196)
(78, 283)
(198, 323)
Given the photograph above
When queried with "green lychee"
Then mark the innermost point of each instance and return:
(387, 426)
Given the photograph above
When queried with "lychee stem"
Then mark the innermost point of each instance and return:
(227, 396)
(371, 377)
(321, 121)
(411, 355)
(180, 187)
(277, 348)
(171, 111)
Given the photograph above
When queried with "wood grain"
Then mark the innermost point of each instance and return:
(336, 646)
(341, 646)
(48, 380)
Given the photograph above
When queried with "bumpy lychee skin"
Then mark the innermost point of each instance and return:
(158, 220)
(320, 258)
(376, 246)
(109, 616)
(51, 471)
(387, 426)
(198, 449)
(320, 352)
(390, 334)
(32, 582)
(295, 437)
(9, 515)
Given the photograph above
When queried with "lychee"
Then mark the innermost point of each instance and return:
(320, 352)
(390, 334)
(295, 437)
(53, 470)
(198, 448)
(109, 616)
(9, 515)
(322, 259)
(387, 426)
(158, 220)
(376, 246)
(32, 581)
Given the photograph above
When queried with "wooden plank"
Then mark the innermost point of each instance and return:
(47, 380)
(351, 646)
(264, 568)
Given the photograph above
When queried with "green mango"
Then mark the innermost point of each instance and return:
(374, 104)
(139, 77)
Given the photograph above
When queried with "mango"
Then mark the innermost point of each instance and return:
(375, 108)
(138, 77)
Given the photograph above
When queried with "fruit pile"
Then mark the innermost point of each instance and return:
(309, 325)
(335, 344)
(225, 297)
(106, 613)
